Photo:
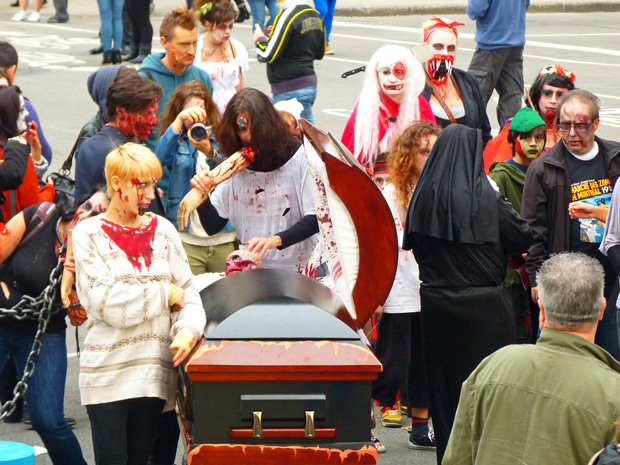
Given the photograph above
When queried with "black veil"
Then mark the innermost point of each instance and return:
(453, 199)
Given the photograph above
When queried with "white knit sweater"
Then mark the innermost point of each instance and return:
(130, 326)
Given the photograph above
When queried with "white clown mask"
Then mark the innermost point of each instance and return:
(392, 79)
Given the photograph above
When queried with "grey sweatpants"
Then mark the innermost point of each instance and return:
(502, 70)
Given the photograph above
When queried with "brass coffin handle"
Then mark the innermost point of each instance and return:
(257, 425)
(309, 429)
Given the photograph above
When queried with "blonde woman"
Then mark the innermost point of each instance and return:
(134, 281)
(454, 88)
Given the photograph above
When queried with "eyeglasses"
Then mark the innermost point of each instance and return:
(579, 128)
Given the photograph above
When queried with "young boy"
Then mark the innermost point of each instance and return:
(527, 137)
(381, 171)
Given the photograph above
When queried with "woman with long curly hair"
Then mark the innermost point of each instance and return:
(407, 159)
(399, 336)
(270, 203)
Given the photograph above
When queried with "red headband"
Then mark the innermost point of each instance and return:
(381, 168)
(440, 23)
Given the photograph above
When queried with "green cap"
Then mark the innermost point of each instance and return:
(525, 120)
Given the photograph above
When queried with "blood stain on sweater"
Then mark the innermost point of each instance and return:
(137, 243)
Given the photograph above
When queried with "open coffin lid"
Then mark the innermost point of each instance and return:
(358, 236)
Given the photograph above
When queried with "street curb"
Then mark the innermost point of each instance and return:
(396, 10)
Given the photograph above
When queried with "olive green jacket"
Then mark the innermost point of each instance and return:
(546, 404)
(510, 181)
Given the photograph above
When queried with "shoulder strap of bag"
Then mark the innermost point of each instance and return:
(68, 163)
(593, 459)
(40, 218)
(442, 102)
(13, 203)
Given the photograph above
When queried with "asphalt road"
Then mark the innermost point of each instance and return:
(54, 66)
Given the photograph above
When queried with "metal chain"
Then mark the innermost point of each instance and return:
(41, 310)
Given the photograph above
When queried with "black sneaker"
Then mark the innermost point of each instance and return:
(243, 14)
(425, 442)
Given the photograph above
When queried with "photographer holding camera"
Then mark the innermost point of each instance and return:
(185, 147)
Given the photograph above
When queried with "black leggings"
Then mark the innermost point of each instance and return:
(139, 18)
(123, 432)
(399, 348)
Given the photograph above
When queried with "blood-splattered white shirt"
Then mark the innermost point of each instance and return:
(262, 204)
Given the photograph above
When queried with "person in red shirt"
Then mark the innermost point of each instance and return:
(390, 101)
(13, 124)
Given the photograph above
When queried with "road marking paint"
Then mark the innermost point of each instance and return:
(343, 112)
(55, 26)
(39, 450)
(573, 35)
(567, 60)
(465, 35)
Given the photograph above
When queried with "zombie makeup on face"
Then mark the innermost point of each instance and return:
(392, 79)
(440, 67)
(182, 46)
(576, 127)
(137, 124)
(530, 145)
(443, 44)
(220, 33)
(22, 126)
(145, 193)
(243, 124)
(136, 195)
(97, 204)
(549, 96)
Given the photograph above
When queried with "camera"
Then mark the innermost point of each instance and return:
(199, 131)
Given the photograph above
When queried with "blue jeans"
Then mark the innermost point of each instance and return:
(258, 12)
(306, 96)
(111, 14)
(326, 9)
(46, 391)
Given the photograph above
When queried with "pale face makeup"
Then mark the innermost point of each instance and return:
(392, 80)
(442, 42)
(97, 203)
(220, 33)
(22, 126)
(549, 96)
(577, 112)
